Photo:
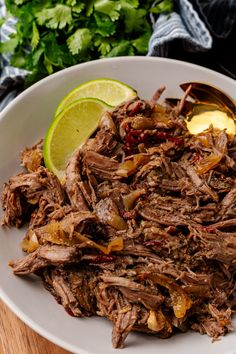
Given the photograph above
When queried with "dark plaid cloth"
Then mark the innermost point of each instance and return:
(198, 31)
(215, 18)
(183, 25)
(220, 18)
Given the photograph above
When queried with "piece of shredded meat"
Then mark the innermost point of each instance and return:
(142, 230)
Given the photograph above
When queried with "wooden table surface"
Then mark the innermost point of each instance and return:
(17, 338)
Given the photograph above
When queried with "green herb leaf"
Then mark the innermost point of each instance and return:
(2, 21)
(18, 59)
(89, 7)
(19, 2)
(33, 59)
(79, 41)
(141, 43)
(108, 7)
(122, 48)
(134, 19)
(48, 65)
(71, 2)
(57, 17)
(10, 45)
(78, 8)
(104, 46)
(163, 6)
(104, 26)
(133, 3)
(35, 36)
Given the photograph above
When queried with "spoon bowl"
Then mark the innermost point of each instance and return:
(208, 106)
(209, 94)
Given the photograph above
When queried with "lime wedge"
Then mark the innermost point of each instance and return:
(69, 130)
(112, 92)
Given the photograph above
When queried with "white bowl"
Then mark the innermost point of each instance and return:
(23, 122)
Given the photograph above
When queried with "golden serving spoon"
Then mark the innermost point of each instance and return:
(210, 106)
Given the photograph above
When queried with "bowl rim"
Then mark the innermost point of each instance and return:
(62, 72)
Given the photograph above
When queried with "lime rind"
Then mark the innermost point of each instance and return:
(127, 92)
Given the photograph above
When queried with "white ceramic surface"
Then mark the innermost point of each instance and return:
(23, 122)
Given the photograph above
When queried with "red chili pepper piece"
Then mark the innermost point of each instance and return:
(178, 141)
(196, 157)
(135, 136)
(102, 259)
(162, 135)
(127, 127)
(68, 310)
(135, 109)
(210, 230)
(129, 214)
(152, 243)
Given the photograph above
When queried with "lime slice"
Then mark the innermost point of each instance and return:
(69, 130)
(112, 92)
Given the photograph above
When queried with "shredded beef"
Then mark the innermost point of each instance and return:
(40, 189)
(45, 256)
(74, 181)
(141, 229)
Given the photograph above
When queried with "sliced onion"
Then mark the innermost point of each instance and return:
(203, 140)
(107, 122)
(108, 214)
(116, 221)
(130, 198)
(208, 163)
(180, 300)
(115, 245)
(130, 166)
(156, 321)
(55, 234)
(30, 243)
(33, 160)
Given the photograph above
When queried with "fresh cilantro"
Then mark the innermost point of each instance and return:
(9, 46)
(19, 59)
(134, 19)
(33, 59)
(104, 26)
(19, 2)
(56, 17)
(103, 45)
(108, 7)
(35, 36)
(133, 3)
(121, 48)
(71, 2)
(2, 21)
(162, 6)
(141, 43)
(89, 7)
(79, 41)
(54, 34)
(78, 8)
